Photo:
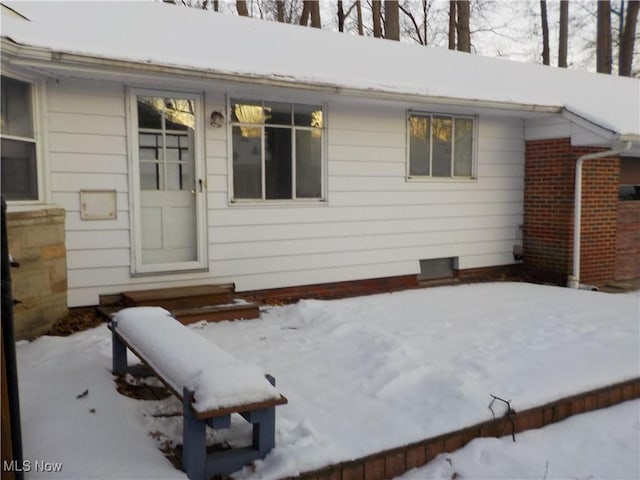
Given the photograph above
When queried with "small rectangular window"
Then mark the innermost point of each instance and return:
(18, 148)
(440, 146)
(276, 150)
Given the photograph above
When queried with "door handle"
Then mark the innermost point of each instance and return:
(200, 184)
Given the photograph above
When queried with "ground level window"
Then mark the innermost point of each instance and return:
(277, 150)
(19, 166)
(440, 146)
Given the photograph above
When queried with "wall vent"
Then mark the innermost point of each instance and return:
(437, 268)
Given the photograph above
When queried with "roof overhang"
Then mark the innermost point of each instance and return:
(55, 64)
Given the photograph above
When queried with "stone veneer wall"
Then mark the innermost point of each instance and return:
(36, 242)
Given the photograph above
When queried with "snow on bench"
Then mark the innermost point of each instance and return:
(212, 384)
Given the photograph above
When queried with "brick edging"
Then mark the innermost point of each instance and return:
(394, 462)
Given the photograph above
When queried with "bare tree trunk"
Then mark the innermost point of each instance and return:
(625, 60)
(315, 15)
(306, 12)
(391, 20)
(280, 10)
(545, 33)
(464, 34)
(376, 7)
(241, 6)
(424, 16)
(452, 24)
(603, 39)
(341, 16)
(563, 40)
(359, 13)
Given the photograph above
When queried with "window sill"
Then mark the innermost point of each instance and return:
(426, 179)
(277, 203)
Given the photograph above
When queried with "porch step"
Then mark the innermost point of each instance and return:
(213, 303)
(181, 297)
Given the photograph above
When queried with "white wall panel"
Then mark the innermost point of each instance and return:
(374, 222)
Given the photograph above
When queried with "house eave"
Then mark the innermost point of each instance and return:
(59, 63)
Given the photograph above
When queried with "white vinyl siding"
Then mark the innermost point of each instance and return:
(376, 224)
(373, 223)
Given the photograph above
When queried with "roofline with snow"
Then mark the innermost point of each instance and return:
(43, 59)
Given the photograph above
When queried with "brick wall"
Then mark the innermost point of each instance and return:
(394, 462)
(600, 180)
(628, 241)
(371, 286)
(36, 241)
(548, 213)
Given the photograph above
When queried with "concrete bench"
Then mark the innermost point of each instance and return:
(211, 383)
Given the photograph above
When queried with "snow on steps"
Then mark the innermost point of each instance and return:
(190, 304)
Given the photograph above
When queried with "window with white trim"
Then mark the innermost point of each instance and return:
(18, 146)
(276, 150)
(440, 146)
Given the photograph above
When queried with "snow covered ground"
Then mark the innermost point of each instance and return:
(604, 444)
(362, 375)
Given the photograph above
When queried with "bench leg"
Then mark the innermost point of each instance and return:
(194, 441)
(118, 352)
(264, 432)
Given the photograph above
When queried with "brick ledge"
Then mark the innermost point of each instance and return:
(394, 462)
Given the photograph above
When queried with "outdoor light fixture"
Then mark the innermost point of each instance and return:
(217, 119)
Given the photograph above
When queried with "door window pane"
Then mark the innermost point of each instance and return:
(18, 170)
(166, 135)
(278, 166)
(441, 131)
(419, 145)
(463, 147)
(149, 116)
(247, 163)
(308, 163)
(149, 176)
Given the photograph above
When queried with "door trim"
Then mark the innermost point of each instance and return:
(135, 221)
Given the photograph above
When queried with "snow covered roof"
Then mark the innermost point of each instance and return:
(174, 37)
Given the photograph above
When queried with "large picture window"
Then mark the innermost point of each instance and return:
(19, 166)
(440, 146)
(277, 150)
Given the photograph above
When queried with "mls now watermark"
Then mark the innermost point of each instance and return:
(31, 466)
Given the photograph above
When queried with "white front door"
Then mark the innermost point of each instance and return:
(169, 191)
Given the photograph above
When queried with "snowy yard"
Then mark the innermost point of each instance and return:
(361, 375)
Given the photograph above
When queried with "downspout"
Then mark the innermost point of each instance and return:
(574, 278)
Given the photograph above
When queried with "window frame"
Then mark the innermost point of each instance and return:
(38, 100)
(474, 146)
(292, 128)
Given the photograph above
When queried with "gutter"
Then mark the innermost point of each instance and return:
(574, 278)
